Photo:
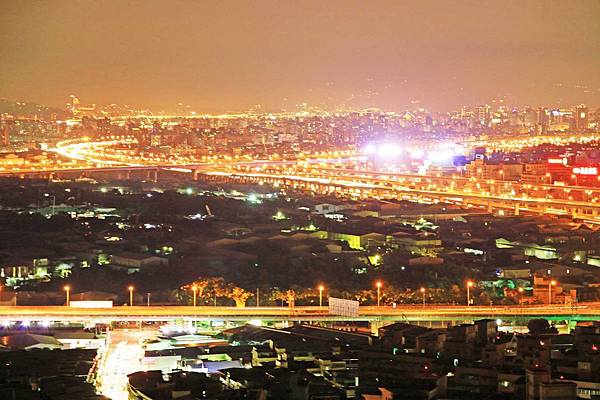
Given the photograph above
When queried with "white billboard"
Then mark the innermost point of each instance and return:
(343, 307)
(91, 304)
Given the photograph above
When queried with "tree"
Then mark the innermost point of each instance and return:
(278, 294)
(207, 288)
(539, 325)
(239, 295)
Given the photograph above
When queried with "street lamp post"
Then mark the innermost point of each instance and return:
(378, 284)
(469, 286)
(550, 284)
(68, 294)
(423, 294)
(321, 288)
(148, 299)
(130, 288)
(195, 292)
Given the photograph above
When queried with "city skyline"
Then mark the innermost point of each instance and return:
(277, 200)
(231, 57)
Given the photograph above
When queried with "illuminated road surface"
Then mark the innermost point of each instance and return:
(536, 199)
(10, 315)
(123, 357)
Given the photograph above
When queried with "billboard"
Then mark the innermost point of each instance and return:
(91, 304)
(585, 170)
(343, 307)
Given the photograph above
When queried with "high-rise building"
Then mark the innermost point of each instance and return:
(74, 104)
(531, 116)
(543, 118)
(581, 117)
(5, 138)
(482, 115)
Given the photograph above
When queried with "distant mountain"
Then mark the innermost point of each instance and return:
(20, 108)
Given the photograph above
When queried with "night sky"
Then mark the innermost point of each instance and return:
(231, 55)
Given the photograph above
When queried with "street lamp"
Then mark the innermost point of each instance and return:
(378, 284)
(68, 294)
(550, 284)
(195, 291)
(130, 288)
(321, 288)
(469, 286)
(423, 294)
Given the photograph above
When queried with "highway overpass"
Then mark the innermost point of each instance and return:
(372, 314)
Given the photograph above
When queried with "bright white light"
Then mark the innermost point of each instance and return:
(25, 323)
(417, 154)
(6, 324)
(498, 322)
(45, 323)
(459, 150)
(165, 329)
(370, 148)
(388, 150)
(255, 322)
(440, 156)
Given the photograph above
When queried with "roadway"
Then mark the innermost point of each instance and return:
(581, 311)
(515, 197)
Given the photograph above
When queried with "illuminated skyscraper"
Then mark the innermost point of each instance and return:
(74, 104)
(482, 115)
(581, 118)
(5, 138)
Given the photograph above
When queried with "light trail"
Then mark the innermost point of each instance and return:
(583, 310)
(326, 172)
(123, 357)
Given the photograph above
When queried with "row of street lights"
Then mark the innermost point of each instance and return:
(321, 288)
(67, 290)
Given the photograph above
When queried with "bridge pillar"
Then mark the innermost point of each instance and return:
(490, 208)
(195, 174)
(378, 323)
(152, 175)
(517, 209)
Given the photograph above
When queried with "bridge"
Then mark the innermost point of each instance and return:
(371, 314)
(323, 175)
(422, 190)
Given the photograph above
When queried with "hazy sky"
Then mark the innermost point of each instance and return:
(231, 55)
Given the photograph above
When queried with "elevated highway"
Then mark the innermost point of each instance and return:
(407, 313)
(336, 175)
